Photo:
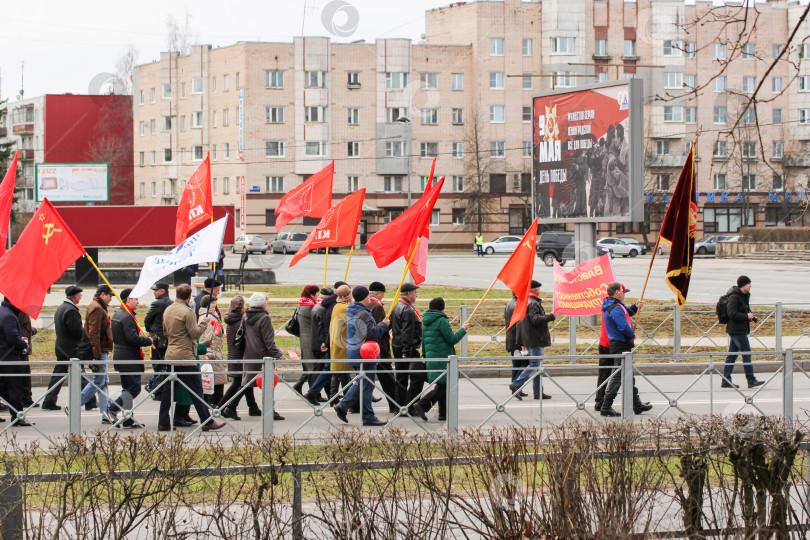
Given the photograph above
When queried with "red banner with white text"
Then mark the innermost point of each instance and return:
(581, 291)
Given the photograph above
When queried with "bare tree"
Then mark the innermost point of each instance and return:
(477, 164)
(179, 38)
(125, 69)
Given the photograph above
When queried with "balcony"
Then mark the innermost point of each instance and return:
(796, 161)
(27, 154)
(353, 85)
(669, 160)
(24, 129)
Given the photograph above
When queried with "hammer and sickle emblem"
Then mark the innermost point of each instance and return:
(48, 229)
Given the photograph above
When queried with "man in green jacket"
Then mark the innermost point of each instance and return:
(438, 341)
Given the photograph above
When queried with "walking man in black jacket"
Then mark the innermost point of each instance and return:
(738, 327)
(532, 335)
(127, 342)
(154, 326)
(406, 330)
(67, 323)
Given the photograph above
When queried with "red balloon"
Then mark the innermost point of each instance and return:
(259, 381)
(370, 350)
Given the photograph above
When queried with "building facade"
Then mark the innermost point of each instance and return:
(271, 114)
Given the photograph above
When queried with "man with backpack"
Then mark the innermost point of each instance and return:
(734, 310)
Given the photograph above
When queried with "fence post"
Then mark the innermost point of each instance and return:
(452, 395)
(298, 512)
(268, 391)
(75, 396)
(11, 500)
(676, 332)
(465, 340)
(777, 316)
(787, 386)
(627, 387)
(572, 336)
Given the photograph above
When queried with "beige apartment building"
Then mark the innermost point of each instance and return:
(271, 114)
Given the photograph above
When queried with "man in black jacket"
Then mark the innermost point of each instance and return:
(519, 361)
(406, 332)
(128, 342)
(738, 328)
(154, 326)
(67, 323)
(532, 335)
(385, 371)
(12, 347)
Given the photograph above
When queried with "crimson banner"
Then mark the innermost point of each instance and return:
(581, 291)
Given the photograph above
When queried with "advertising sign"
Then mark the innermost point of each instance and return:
(588, 153)
(582, 290)
(72, 182)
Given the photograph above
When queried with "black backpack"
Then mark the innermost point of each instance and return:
(722, 309)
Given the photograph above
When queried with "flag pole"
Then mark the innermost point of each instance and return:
(482, 299)
(213, 280)
(325, 264)
(346, 276)
(401, 281)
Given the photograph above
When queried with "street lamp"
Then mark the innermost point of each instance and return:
(407, 121)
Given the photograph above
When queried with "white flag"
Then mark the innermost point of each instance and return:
(203, 247)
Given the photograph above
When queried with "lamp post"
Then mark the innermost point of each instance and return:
(409, 131)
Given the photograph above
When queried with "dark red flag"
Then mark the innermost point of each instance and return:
(196, 205)
(679, 228)
(338, 227)
(6, 200)
(45, 249)
(518, 271)
(311, 199)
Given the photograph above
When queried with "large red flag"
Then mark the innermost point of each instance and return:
(338, 227)
(45, 249)
(196, 205)
(518, 270)
(418, 266)
(6, 199)
(398, 237)
(311, 199)
(678, 230)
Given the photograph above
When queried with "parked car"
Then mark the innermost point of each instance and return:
(287, 242)
(250, 243)
(737, 238)
(619, 247)
(559, 246)
(633, 242)
(708, 244)
(502, 244)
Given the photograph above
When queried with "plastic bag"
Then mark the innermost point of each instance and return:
(207, 373)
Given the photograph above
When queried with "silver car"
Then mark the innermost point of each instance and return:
(250, 243)
(618, 247)
(502, 244)
(708, 244)
(287, 242)
(633, 242)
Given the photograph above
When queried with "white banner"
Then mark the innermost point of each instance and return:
(203, 247)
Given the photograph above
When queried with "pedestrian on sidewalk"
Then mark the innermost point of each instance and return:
(98, 330)
(67, 323)
(154, 326)
(532, 335)
(230, 401)
(738, 327)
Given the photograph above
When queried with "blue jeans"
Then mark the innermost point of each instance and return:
(534, 362)
(100, 380)
(739, 343)
(353, 393)
(324, 378)
(519, 363)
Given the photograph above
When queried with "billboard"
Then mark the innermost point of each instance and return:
(72, 182)
(587, 162)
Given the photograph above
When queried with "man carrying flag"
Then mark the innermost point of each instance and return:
(532, 336)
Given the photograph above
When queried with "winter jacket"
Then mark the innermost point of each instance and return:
(738, 309)
(67, 323)
(27, 331)
(307, 336)
(360, 327)
(154, 318)
(438, 341)
(128, 341)
(406, 328)
(182, 330)
(97, 326)
(198, 301)
(234, 320)
(337, 336)
(259, 342)
(511, 344)
(213, 342)
(316, 316)
(12, 344)
(532, 331)
(617, 321)
(378, 312)
(326, 318)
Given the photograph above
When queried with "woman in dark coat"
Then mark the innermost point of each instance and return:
(309, 299)
(259, 341)
(230, 401)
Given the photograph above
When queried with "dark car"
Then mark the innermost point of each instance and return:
(559, 246)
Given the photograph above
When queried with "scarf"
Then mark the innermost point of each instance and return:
(418, 315)
(306, 301)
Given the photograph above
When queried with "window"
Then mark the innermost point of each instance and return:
(662, 147)
(458, 216)
(394, 113)
(226, 186)
(777, 116)
(778, 149)
(458, 116)
(562, 45)
(214, 84)
(196, 85)
(673, 113)
(429, 116)
(749, 182)
(394, 149)
(720, 83)
(226, 150)
(142, 190)
(392, 184)
(353, 80)
(629, 48)
(719, 51)
(274, 184)
(749, 116)
(778, 182)
(458, 150)
(143, 128)
(720, 149)
(226, 117)
(167, 155)
(804, 116)
(776, 85)
(527, 149)
(690, 116)
(167, 123)
(719, 115)
(167, 91)
(183, 123)
(528, 47)
(457, 81)
(804, 83)
(434, 217)
(672, 47)
(429, 81)
(719, 181)
(353, 116)
(749, 149)
(274, 79)
(749, 52)
(141, 97)
(690, 49)
(226, 82)
(458, 184)
(395, 80)
(804, 51)
(197, 153)
(315, 148)
(142, 159)
(497, 183)
(196, 119)
(314, 114)
(314, 79)
(673, 79)
(154, 189)
(214, 152)
(496, 114)
(527, 81)
(152, 95)
(601, 77)
(563, 79)
(274, 115)
(353, 149)
(152, 126)
(496, 80)
(726, 220)
(496, 46)
(497, 149)
(527, 113)
(776, 49)
(690, 82)
(748, 85)
(662, 182)
(182, 90)
(214, 185)
(274, 149)
(428, 149)
(600, 47)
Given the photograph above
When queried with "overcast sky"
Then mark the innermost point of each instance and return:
(65, 44)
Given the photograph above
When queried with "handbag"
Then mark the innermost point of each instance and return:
(239, 339)
(293, 327)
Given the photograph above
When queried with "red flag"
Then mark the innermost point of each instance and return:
(311, 199)
(396, 239)
(45, 249)
(518, 270)
(678, 230)
(196, 205)
(338, 227)
(418, 267)
(6, 199)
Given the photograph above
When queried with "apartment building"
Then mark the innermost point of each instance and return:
(271, 114)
